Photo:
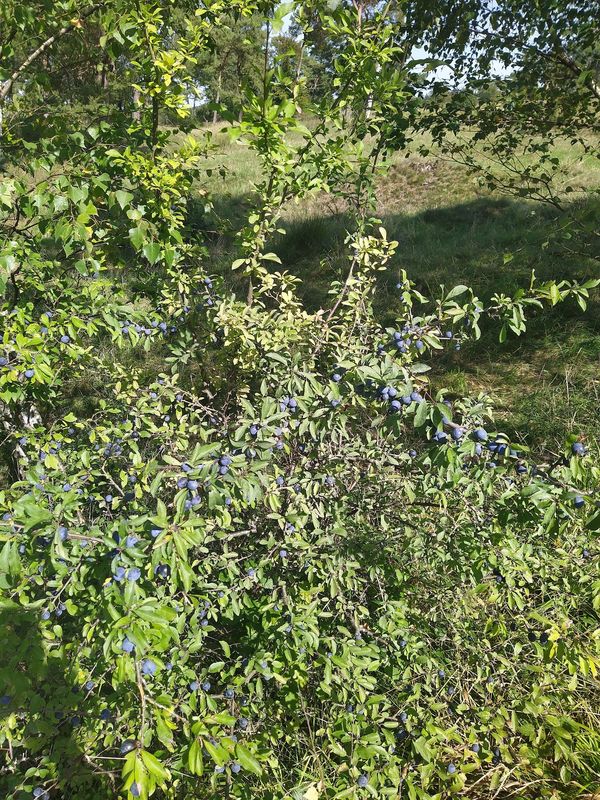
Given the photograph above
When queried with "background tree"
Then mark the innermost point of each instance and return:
(541, 59)
(233, 63)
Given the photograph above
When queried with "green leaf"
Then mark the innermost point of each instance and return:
(195, 760)
(226, 648)
(417, 368)
(457, 291)
(123, 198)
(218, 754)
(593, 523)
(152, 251)
(422, 748)
(422, 414)
(154, 767)
(247, 760)
(137, 237)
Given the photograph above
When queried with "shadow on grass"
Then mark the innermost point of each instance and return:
(546, 380)
(490, 244)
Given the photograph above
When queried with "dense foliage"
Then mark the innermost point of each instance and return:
(247, 551)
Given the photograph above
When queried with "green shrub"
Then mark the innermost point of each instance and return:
(264, 559)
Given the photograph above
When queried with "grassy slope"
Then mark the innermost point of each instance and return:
(452, 231)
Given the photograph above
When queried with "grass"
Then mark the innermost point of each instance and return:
(451, 230)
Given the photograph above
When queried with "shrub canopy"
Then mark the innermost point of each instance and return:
(247, 549)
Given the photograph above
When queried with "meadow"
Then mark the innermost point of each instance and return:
(452, 230)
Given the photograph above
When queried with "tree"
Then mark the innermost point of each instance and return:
(533, 69)
(297, 66)
(234, 63)
(248, 550)
(324, 44)
(541, 60)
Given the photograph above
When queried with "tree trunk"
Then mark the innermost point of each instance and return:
(218, 97)
(136, 105)
(369, 109)
(155, 109)
(104, 75)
